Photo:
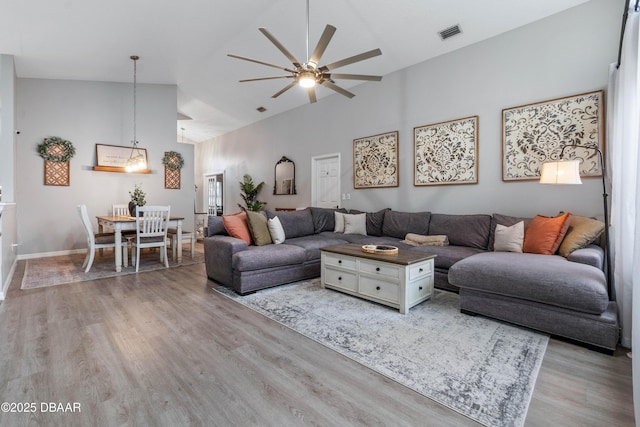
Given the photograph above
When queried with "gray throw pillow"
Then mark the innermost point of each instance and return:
(215, 226)
(295, 223)
(399, 224)
(323, 218)
(462, 230)
(375, 220)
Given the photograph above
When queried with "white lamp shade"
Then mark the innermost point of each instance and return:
(562, 172)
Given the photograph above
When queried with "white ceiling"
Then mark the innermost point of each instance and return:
(186, 42)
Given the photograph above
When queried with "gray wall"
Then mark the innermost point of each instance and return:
(7, 123)
(90, 113)
(562, 55)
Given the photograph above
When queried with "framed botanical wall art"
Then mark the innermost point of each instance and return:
(446, 152)
(375, 161)
(536, 133)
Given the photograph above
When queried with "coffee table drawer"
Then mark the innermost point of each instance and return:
(422, 269)
(419, 290)
(341, 279)
(379, 289)
(382, 269)
(340, 261)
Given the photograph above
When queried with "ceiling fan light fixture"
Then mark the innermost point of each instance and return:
(307, 79)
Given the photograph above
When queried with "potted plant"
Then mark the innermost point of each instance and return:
(137, 199)
(250, 194)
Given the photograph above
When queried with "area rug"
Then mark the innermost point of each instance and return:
(482, 368)
(64, 269)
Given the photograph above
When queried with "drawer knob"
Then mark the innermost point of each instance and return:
(420, 270)
(340, 278)
(339, 261)
(420, 288)
(377, 288)
(377, 268)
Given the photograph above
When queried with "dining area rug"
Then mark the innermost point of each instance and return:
(479, 367)
(64, 269)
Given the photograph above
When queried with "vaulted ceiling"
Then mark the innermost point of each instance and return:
(186, 43)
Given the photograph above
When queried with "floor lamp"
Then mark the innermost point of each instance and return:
(568, 172)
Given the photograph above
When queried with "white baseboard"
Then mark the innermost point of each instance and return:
(50, 254)
(5, 285)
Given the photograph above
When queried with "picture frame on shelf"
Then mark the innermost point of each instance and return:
(113, 158)
(375, 161)
(446, 152)
(536, 133)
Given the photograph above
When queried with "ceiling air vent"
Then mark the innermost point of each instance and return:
(449, 32)
(261, 109)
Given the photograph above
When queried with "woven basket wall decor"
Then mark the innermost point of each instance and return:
(56, 173)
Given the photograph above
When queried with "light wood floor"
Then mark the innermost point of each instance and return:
(161, 348)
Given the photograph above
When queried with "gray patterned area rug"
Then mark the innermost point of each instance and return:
(479, 367)
(64, 269)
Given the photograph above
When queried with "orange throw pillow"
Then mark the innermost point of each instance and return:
(237, 226)
(544, 234)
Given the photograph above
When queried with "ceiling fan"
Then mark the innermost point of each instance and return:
(308, 74)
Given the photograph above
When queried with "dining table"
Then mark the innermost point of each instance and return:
(124, 223)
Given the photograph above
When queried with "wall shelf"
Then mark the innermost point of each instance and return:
(117, 169)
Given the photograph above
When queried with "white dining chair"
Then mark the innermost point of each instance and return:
(120, 209)
(98, 240)
(151, 232)
(187, 236)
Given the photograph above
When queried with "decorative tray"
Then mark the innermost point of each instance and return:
(380, 249)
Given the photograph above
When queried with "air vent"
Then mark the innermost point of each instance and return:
(450, 32)
(261, 109)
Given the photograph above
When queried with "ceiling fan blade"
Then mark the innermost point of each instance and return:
(353, 77)
(351, 60)
(325, 38)
(312, 95)
(337, 88)
(262, 62)
(279, 45)
(284, 89)
(266, 78)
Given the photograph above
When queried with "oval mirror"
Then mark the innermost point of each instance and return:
(285, 177)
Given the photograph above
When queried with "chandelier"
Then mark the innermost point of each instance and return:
(137, 161)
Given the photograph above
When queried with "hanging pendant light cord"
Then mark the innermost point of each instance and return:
(135, 73)
(307, 30)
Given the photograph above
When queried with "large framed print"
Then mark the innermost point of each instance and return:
(536, 133)
(113, 158)
(446, 152)
(375, 161)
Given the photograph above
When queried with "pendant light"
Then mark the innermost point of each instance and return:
(137, 161)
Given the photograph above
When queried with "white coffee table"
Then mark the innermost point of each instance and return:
(399, 280)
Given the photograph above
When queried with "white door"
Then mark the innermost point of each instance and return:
(326, 181)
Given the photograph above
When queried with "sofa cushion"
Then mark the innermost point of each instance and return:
(215, 226)
(548, 279)
(462, 230)
(324, 219)
(446, 256)
(544, 234)
(398, 224)
(355, 224)
(276, 231)
(260, 257)
(295, 223)
(509, 239)
(237, 226)
(258, 228)
(506, 220)
(312, 244)
(375, 221)
(581, 233)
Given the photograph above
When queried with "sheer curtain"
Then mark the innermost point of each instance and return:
(624, 161)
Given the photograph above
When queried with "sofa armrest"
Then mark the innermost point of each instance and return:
(218, 254)
(592, 255)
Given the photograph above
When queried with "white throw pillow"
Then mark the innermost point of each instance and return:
(276, 230)
(339, 218)
(355, 224)
(509, 239)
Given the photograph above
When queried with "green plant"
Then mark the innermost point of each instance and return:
(137, 196)
(250, 193)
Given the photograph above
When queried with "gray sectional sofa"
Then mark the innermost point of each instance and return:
(561, 296)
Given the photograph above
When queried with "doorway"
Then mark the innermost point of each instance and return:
(325, 185)
(214, 193)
